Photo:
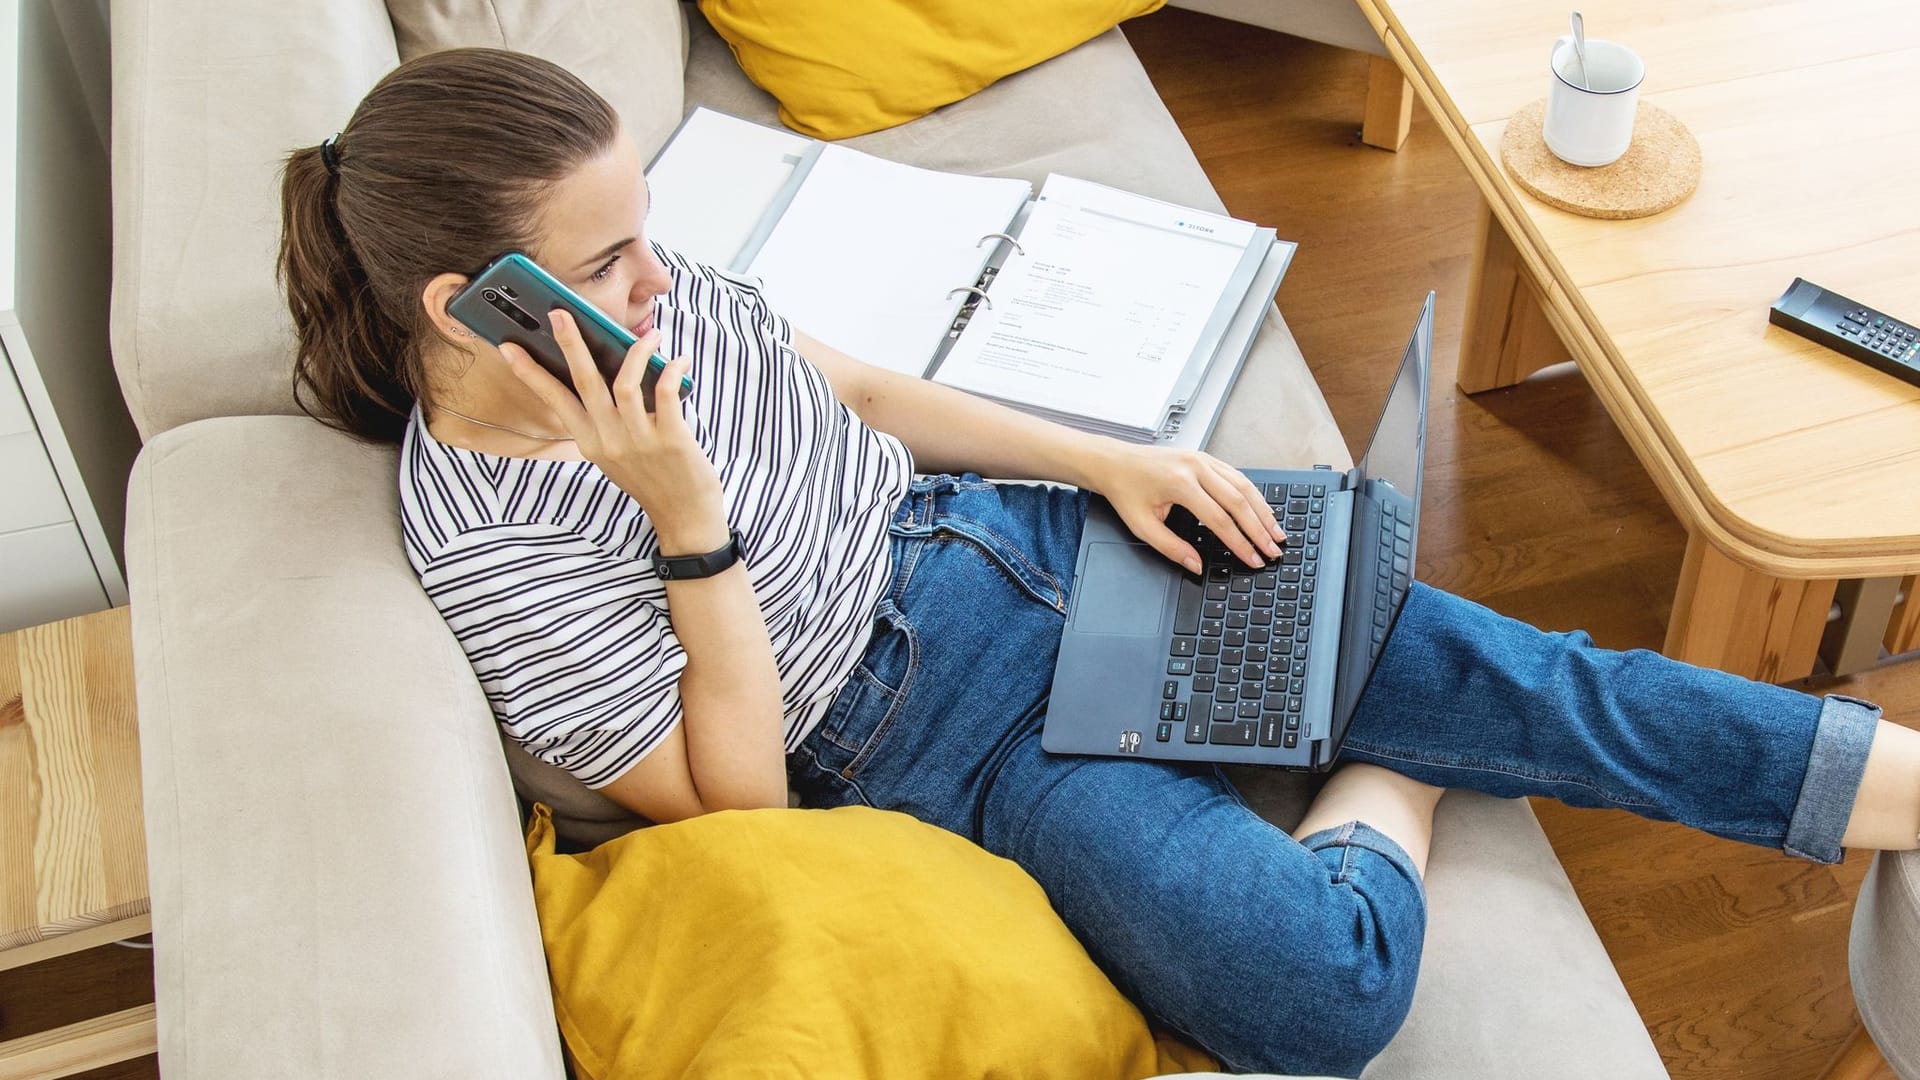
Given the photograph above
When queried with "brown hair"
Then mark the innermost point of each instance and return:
(440, 169)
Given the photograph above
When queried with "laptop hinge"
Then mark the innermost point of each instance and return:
(1349, 480)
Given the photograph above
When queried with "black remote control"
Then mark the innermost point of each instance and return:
(1849, 328)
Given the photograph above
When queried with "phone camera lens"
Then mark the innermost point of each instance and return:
(491, 296)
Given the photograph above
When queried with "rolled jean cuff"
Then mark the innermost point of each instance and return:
(1359, 836)
(1834, 768)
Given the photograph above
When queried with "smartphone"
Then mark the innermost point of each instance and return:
(511, 299)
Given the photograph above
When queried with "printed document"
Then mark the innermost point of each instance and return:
(1102, 307)
(874, 257)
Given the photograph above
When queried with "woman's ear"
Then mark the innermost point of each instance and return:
(439, 292)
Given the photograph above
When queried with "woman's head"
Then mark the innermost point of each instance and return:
(450, 160)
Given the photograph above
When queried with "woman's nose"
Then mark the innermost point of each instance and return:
(653, 279)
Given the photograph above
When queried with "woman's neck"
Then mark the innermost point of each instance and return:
(480, 405)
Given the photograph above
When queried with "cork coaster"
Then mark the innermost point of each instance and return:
(1657, 172)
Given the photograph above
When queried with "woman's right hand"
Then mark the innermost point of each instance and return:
(652, 456)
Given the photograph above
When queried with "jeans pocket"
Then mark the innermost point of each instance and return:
(870, 702)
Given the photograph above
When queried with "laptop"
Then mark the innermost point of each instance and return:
(1245, 665)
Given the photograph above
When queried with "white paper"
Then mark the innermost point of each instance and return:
(713, 181)
(1102, 312)
(868, 255)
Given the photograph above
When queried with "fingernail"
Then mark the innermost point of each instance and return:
(1193, 564)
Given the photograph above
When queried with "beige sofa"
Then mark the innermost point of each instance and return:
(338, 881)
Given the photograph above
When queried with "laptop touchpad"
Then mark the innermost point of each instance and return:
(1123, 590)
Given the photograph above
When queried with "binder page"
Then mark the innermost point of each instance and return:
(1102, 310)
(869, 254)
(713, 180)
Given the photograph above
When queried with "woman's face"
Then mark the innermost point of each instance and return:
(590, 236)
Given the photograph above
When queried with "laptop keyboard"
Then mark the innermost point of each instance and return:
(1237, 666)
(1393, 571)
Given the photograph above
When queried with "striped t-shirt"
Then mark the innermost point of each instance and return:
(541, 568)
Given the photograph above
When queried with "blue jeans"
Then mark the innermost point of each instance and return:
(1279, 955)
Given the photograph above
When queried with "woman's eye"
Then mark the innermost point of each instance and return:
(607, 268)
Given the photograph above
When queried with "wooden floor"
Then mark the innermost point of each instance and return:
(1535, 506)
(1735, 956)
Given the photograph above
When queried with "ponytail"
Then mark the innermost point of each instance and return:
(351, 369)
(441, 168)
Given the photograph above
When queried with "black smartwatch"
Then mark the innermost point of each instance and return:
(691, 567)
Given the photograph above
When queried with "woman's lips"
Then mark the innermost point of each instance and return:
(640, 328)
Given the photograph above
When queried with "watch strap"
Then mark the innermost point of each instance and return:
(694, 567)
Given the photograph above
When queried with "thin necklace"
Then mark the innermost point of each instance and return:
(503, 427)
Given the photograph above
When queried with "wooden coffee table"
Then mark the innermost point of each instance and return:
(73, 861)
(1795, 471)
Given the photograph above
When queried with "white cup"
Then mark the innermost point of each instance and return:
(1592, 124)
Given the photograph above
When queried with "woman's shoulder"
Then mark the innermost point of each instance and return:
(452, 498)
(718, 293)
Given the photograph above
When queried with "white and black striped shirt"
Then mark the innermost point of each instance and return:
(541, 567)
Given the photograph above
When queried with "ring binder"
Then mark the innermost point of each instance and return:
(1001, 236)
(975, 290)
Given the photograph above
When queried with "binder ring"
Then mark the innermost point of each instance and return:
(975, 290)
(1002, 236)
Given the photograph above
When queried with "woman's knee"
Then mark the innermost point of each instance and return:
(1334, 1003)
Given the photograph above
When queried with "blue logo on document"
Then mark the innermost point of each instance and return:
(1195, 226)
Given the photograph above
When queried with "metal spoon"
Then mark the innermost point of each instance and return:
(1580, 50)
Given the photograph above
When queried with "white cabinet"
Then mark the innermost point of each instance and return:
(30, 493)
(46, 569)
(66, 444)
(49, 576)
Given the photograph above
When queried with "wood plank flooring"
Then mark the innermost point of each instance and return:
(1535, 506)
(1735, 956)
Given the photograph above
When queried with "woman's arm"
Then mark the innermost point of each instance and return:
(950, 430)
(728, 751)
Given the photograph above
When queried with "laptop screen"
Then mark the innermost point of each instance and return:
(1385, 521)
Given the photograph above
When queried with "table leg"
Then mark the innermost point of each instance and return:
(1903, 630)
(1506, 337)
(80, 1047)
(1852, 642)
(1739, 620)
(1389, 105)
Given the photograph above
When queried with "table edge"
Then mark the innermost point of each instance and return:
(1686, 492)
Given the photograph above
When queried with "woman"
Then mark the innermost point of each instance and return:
(888, 640)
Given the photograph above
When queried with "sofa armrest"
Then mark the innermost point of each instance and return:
(339, 883)
(1884, 958)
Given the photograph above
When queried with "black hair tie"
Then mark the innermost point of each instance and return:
(328, 155)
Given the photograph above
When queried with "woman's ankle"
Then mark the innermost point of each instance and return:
(1886, 811)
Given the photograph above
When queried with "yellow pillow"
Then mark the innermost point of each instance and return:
(807, 943)
(847, 67)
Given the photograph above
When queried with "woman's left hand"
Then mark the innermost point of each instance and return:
(1144, 483)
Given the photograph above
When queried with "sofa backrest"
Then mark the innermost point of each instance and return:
(209, 97)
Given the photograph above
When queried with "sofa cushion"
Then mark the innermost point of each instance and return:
(1884, 958)
(1090, 112)
(1335, 22)
(199, 326)
(847, 67)
(633, 53)
(855, 942)
(333, 848)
